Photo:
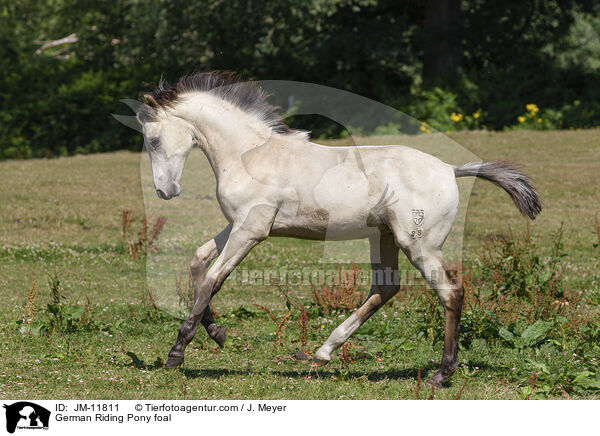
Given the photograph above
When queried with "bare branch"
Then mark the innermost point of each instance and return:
(70, 39)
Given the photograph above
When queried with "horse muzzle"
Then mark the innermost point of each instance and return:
(169, 192)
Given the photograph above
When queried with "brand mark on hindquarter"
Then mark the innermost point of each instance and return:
(418, 215)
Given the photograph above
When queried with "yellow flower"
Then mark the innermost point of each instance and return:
(521, 119)
(424, 128)
(457, 118)
(539, 120)
(476, 114)
(532, 108)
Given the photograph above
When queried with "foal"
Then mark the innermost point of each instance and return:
(272, 181)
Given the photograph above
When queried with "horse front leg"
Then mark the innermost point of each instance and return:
(202, 259)
(241, 240)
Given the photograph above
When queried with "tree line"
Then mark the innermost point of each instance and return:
(65, 64)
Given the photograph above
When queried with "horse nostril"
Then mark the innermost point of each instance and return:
(161, 194)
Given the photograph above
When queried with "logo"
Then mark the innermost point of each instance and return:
(26, 415)
(418, 215)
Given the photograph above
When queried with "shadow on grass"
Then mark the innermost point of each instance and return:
(136, 362)
(374, 376)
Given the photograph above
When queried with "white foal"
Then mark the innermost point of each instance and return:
(272, 181)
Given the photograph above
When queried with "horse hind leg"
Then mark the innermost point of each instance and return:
(450, 293)
(384, 266)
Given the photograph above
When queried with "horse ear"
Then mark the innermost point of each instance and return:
(149, 100)
(145, 114)
(141, 117)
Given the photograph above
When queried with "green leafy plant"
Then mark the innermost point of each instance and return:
(588, 337)
(515, 266)
(243, 312)
(564, 381)
(534, 119)
(430, 316)
(435, 107)
(532, 336)
(58, 317)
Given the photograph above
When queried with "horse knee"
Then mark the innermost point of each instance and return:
(196, 266)
(201, 259)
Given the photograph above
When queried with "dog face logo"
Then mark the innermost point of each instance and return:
(418, 215)
(26, 415)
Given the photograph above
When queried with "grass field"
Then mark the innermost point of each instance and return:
(100, 337)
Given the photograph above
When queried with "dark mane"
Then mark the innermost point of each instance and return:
(231, 87)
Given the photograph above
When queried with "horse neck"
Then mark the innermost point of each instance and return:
(224, 132)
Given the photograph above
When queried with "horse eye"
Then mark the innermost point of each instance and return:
(154, 142)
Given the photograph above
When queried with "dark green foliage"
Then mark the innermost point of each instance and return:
(59, 100)
(244, 313)
(530, 336)
(478, 323)
(589, 337)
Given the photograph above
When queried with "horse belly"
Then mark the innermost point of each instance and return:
(304, 232)
(319, 224)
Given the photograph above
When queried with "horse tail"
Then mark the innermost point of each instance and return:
(509, 178)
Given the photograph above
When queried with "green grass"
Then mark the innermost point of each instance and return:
(63, 217)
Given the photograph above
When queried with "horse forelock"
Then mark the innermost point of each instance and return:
(243, 93)
(165, 94)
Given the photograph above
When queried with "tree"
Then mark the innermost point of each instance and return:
(442, 33)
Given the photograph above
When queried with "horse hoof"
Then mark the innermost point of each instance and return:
(217, 333)
(437, 379)
(433, 382)
(174, 361)
(318, 362)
